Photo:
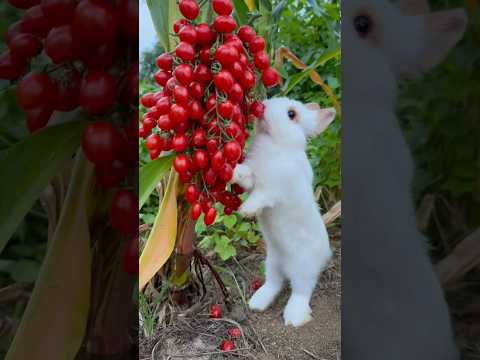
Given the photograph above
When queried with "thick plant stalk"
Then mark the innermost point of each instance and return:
(53, 325)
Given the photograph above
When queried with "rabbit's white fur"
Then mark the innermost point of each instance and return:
(279, 176)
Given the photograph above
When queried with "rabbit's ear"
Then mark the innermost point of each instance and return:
(414, 7)
(324, 117)
(444, 30)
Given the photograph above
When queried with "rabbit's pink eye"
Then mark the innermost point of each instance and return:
(291, 114)
(363, 25)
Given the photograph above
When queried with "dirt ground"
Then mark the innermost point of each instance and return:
(192, 334)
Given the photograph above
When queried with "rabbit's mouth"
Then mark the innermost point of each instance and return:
(262, 127)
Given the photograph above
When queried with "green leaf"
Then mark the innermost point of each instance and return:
(244, 227)
(206, 242)
(151, 174)
(230, 221)
(224, 249)
(241, 11)
(164, 13)
(27, 168)
(24, 271)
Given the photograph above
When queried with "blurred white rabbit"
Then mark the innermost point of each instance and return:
(392, 304)
(279, 177)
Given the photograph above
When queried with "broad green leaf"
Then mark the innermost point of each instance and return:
(151, 174)
(60, 300)
(27, 168)
(164, 13)
(230, 221)
(161, 241)
(241, 11)
(224, 248)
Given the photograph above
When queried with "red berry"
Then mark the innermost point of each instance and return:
(226, 55)
(60, 45)
(35, 22)
(211, 102)
(185, 51)
(165, 62)
(195, 110)
(37, 118)
(95, 22)
(225, 109)
(205, 56)
(197, 90)
(237, 70)
(36, 90)
(189, 9)
(232, 151)
(98, 90)
(179, 24)
(222, 7)
(199, 137)
(256, 284)
(166, 143)
(246, 33)
(142, 131)
(188, 34)
(202, 74)
(148, 123)
(163, 105)
(270, 77)
(200, 159)
(179, 143)
(178, 114)
(184, 74)
(153, 142)
(111, 175)
(257, 44)
(235, 333)
(130, 256)
(224, 24)
(217, 160)
(262, 61)
(205, 35)
(196, 211)
(181, 164)
(212, 146)
(191, 194)
(10, 67)
(257, 109)
(248, 80)
(148, 100)
(124, 212)
(209, 219)
(235, 94)
(227, 345)
(243, 60)
(58, 12)
(223, 80)
(237, 189)
(24, 46)
(170, 86)
(226, 173)
(101, 143)
(185, 177)
(181, 95)
(210, 176)
(161, 77)
(165, 123)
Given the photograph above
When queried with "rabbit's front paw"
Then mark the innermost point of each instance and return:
(249, 210)
(297, 313)
(262, 298)
(243, 176)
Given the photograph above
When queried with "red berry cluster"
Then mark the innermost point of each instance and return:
(234, 332)
(81, 40)
(85, 44)
(210, 94)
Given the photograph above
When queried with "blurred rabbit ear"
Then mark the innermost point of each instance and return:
(444, 30)
(324, 116)
(414, 7)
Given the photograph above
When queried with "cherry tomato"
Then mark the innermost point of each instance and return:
(165, 62)
(94, 22)
(130, 256)
(262, 61)
(101, 143)
(181, 95)
(189, 9)
(58, 12)
(182, 164)
(224, 24)
(210, 216)
(124, 212)
(226, 55)
(202, 74)
(37, 118)
(235, 94)
(222, 7)
(191, 194)
(184, 74)
(36, 90)
(195, 110)
(196, 211)
(10, 67)
(179, 143)
(200, 159)
(185, 51)
(25, 46)
(178, 114)
(225, 109)
(205, 35)
(199, 137)
(246, 33)
(197, 90)
(161, 77)
(223, 80)
(110, 175)
(60, 45)
(98, 90)
(188, 34)
(270, 77)
(232, 151)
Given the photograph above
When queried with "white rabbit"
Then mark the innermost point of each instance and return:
(279, 177)
(392, 304)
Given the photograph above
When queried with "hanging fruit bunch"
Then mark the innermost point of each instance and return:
(65, 55)
(212, 86)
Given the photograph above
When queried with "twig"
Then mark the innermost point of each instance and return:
(258, 338)
(311, 354)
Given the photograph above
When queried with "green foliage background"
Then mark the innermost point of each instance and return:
(310, 29)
